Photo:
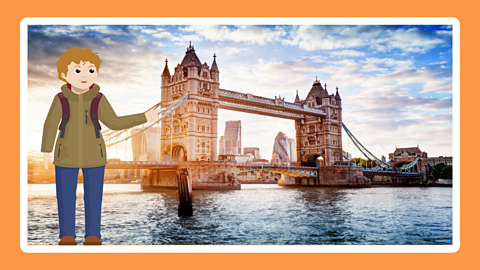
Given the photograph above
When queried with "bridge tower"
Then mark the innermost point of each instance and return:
(190, 133)
(319, 139)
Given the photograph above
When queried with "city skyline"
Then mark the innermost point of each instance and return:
(395, 81)
(231, 141)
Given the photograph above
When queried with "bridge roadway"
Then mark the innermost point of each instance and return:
(295, 171)
(118, 165)
(141, 165)
(390, 173)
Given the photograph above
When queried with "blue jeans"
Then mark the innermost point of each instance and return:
(66, 186)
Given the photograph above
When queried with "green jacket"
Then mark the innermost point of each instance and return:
(80, 148)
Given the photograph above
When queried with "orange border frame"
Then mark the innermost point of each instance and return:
(14, 257)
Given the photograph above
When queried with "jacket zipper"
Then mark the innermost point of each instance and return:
(60, 146)
(86, 117)
(101, 152)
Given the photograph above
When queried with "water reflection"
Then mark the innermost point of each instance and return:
(257, 214)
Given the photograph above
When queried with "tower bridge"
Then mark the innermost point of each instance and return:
(187, 131)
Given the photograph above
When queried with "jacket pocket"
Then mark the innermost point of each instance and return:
(59, 147)
(86, 117)
(101, 152)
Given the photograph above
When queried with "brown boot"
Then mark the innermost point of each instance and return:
(67, 240)
(92, 240)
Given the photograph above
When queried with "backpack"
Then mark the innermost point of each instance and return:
(66, 114)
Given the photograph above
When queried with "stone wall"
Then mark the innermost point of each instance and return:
(330, 176)
(212, 175)
(207, 175)
(159, 179)
(259, 177)
(382, 180)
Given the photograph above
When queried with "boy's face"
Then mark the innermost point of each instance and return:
(81, 75)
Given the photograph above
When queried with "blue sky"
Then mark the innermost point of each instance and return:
(395, 81)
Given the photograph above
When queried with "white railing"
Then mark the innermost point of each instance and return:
(228, 93)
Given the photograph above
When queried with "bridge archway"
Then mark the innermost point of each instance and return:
(179, 153)
(314, 160)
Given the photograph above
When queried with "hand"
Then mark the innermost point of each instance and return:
(153, 114)
(46, 160)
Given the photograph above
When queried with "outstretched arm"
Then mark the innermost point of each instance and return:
(107, 115)
(153, 115)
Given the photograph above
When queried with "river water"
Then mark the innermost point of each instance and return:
(257, 214)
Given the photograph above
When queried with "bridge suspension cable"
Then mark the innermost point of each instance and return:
(112, 137)
(410, 165)
(380, 165)
(379, 168)
(378, 162)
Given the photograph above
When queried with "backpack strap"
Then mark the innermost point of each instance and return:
(65, 113)
(94, 114)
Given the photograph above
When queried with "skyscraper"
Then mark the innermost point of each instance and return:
(221, 146)
(233, 138)
(255, 151)
(292, 147)
(281, 147)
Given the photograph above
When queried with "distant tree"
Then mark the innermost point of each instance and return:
(447, 172)
(437, 170)
(366, 163)
(356, 161)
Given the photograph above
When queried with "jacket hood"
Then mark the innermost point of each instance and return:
(89, 95)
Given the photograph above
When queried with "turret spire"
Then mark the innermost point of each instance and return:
(337, 95)
(190, 47)
(166, 72)
(214, 64)
(297, 99)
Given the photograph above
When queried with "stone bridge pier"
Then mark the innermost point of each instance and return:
(330, 177)
(424, 168)
(206, 175)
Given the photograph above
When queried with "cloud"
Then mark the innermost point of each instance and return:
(373, 72)
(351, 53)
(433, 119)
(394, 97)
(434, 139)
(271, 78)
(233, 50)
(316, 58)
(414, 40)
(433, 81)
(438, 63)
(372, 64)
(107, 30)
(380, 38)
(398, 117)
(245, 33)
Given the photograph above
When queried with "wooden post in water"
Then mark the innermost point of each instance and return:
(184, 193)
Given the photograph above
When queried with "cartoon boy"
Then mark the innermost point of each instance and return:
(79, 143)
